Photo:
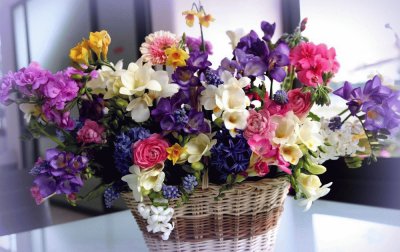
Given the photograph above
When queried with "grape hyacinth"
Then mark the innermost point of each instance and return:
(170, 191)
(189, 183)
(110, 194)
(335, 123)
(212, 77)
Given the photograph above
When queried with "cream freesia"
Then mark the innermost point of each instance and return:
(199, 146)
(309, 134)
(291, 153)
(144, 180)
(286, 128)
(310, 186)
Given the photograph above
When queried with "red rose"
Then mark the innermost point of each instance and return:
(299, 102)
(150, 151)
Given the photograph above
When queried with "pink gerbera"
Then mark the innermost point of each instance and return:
(153, 49)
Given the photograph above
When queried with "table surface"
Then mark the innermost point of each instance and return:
(327, 226)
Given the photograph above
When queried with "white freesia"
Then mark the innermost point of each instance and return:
(139, 108)
(309, 134)
(199, 146)
(158, 219)
(108, 81)
(235, 36)
(150, 179)
(137, 78)
(208, 97)
(287, 128)
(235, 119)
(310, 186)
(29, 109)
(291, 153)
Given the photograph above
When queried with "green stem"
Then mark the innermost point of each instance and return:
(203, 46)
(52, 138)
(271, 89)
(344, 111)
(106, 64)
(365, 131)
(345, 120)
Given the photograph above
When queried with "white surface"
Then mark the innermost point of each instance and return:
(328, 226)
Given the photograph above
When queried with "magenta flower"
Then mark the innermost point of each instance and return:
(91, 132)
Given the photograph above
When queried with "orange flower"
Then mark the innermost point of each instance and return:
(205, 20)
(189, 16)
(174, 152)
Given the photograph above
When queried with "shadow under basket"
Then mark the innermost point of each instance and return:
(245, 219)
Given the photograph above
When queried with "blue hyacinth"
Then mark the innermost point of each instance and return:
(230, 155)
(170, 192)
(123, 143)
(189, 183)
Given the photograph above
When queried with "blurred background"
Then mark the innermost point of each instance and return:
(363, 33)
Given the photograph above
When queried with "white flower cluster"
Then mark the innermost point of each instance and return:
(341, 142)
(158, 219)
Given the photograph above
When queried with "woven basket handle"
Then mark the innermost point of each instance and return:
(204, 184)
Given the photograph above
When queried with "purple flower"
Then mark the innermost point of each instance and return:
(59, 173)
(196, 123)
(59, 118)
(335, 123)
(252, 44)
(198, 60)
(189, 183)
(92, 109)
(278, 59)
(185, 78)
(252, 65)
(231, 66)
(6, 85)
(194, 45)
(170, 191)
(373, 93)
(211, 77)
(281, 97)
(268, 29)
(31, 78)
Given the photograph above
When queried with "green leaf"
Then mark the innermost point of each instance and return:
(314, 117)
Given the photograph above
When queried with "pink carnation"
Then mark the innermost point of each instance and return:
(312, 62)
(150, 151)
(91, 132)
(299, 102)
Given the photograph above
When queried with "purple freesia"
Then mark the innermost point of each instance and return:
(231, 66)
(194, 45)
(185, 78)
(277, 59)
(198, 60)
(59, 173)
(268, 29)
(380, 104)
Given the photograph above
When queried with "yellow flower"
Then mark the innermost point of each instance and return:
(189, 16)
(99, 42)
(176, 57)
(205, 19)
(175, 152)
(80, 53)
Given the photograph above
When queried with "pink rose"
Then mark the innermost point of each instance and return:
(91, 132)
(261, 168)
(150, 151)
(271, 107)
(256, 124)
(299, 102)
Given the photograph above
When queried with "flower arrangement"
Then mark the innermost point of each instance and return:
(158, 133)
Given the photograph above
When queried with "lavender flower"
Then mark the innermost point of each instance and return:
(185, 78)
(189, 183)
(268, 29)
(170, 191)
(212, 77)
(198, 60)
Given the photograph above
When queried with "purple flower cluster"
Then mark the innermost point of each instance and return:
(49, 91)
(170, 191)
(59, 173)
(229, 156)
(174, 113)
(194, 45)
(123, 143)
(111, 194)
(380, 104)
(254, 57)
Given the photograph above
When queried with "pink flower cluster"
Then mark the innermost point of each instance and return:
(148, 152)
(312, 62)
(91, 132)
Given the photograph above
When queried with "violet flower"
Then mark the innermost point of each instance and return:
(185, 78)
(194, 45)
(268, 29)
(198, 60)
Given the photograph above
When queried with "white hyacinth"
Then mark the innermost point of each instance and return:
(158, 219)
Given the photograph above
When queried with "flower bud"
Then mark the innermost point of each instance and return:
(197, 166)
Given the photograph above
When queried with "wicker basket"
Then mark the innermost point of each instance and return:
(246, 219)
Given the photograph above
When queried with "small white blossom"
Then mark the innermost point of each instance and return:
(158, 219)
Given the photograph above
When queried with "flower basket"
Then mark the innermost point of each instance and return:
(246, 219)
